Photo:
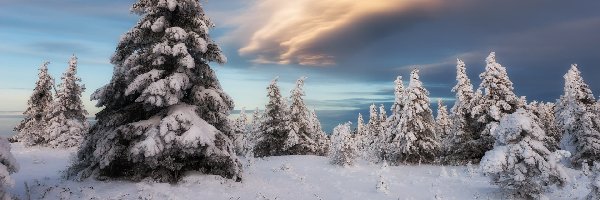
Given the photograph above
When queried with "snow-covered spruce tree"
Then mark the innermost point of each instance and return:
(320, 136)
(393, 120)
(594, 185)
(442, 124)
(371, 148)
(276, 135)
(30, 130)
(251, 134)
(495, 99)
(67, 121)
(343, 149)
(520, 161)
(310, 140)
(382, 140)
(360, 125)
(462, 148)
(361, 133)
(544, 112)
(239, 129)
(382, 115)
(165, 112)
(8, 165)
(576, 115)
(417, 143)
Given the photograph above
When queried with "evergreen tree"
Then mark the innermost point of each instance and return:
(382, 115)
(372, 149)
(360, 125)
(544, 112)
(361, 135)
(320, 136)
(165, 112)
(276, 135)
(253, 132)
(67, 122)
(303, 125)
(418, 143)
(442, 124)
(576, 115)
(495, 99)
(462, 148)
(30, 130)
(393, 121)
(594, 185)
(520, 161)
(343, 147)
(239, 129)
(8, 165)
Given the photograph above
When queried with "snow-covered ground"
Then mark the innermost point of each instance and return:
(287, 177)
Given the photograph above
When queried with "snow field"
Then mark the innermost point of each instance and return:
(285, 177)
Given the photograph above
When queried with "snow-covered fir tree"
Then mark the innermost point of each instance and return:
(371, 148)
(67, 121)
(276, 136)
(343, 149)
(393, 121)
(495, 99)
(360, 125)
(165, 112)
(594, 184)
(30, 131)
(520, 161)
(382, 140)
(382, 115)
(545, 115)
(240, 132)
(320, 136)
(442, 124)
(417, 144)
(253, 132)
(462, 148)
(576, 116)
(302, 124)
(8, 165)
(361, 133)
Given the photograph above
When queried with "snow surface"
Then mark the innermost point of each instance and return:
(286, 177)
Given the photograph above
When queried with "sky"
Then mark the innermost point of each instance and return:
(350, 50)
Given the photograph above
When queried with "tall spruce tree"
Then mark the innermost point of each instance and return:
(67, 121)
(302, 122)
(165, 112)
(417, 143)
(576, 115)
(30, 130)
(495, 99)
(462, 148)
(320, 137)
(275, 136)
(360, 125)
(393, 121)
(442, 124)
(370, 145)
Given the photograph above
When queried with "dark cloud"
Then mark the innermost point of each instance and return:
(536, 40)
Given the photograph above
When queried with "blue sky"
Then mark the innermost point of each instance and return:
(350, 50)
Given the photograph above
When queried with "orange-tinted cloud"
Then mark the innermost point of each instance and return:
(291, 32)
